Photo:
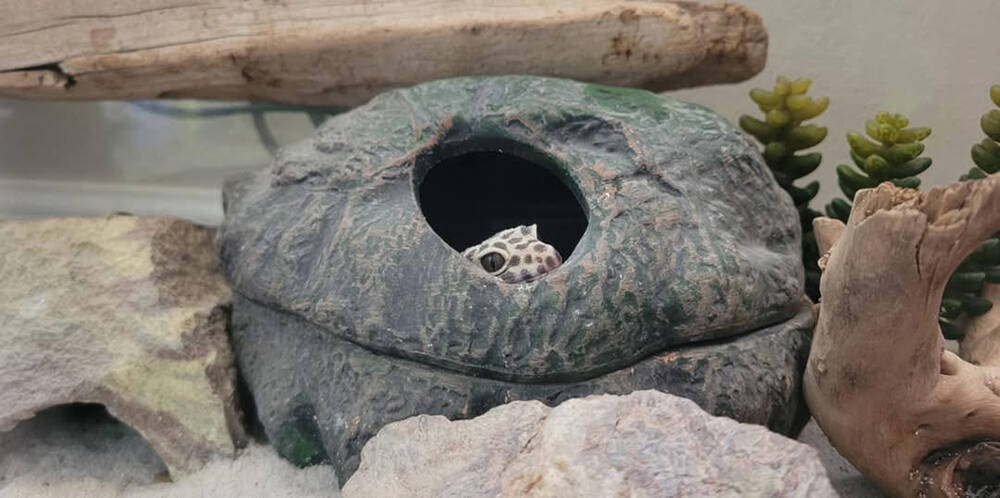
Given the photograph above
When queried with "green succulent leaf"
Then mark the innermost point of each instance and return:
(912, 167)
(799, 195)
(992, 147)
(802, 165)
(858, 160)
(797, 102)
(848, 190)
(950, 308)
(993, 275)
(897, 121)
(887, 134)
(802, 196)
(986, 155)
(760, 130)
(861, 145)
(784, 181)
(801, 86)
(966, 281)
(908, 182)
(782, 86)
(765, 98)
(990, 123)
(913, 134)
(778, 118)
(839, 209)
(876, 166)
(810, 109)
(854, 180)
(975, 305)
(805, 136)
(950, 330)
(986, 253)
(873, 129)
(774, 152)
(902, 152)
(974, 174)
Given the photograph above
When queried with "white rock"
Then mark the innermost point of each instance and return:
(129, 312)
(645, 444)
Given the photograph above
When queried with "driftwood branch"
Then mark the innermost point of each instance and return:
(343, 53)
(981, 344)
(913, 417)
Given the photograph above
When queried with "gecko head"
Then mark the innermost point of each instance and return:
(514, 255)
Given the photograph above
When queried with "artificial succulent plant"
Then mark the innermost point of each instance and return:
(986, 154)
(891, 154)
(962, 297)
(782, 134)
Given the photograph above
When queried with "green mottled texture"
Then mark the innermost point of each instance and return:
(892, 156)
(782, 133)
(333, 233)
(618, 99)
(689, 239)
(753, 378)
(298, 438)
(963, 295)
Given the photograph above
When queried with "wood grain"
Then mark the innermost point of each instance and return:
(909, 414)
(339, 52)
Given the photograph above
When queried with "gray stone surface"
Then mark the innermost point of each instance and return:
(689, 236)
(321, 398)
(129, 312)
(353, 312)
(644, 444)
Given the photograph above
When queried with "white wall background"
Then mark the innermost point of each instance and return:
(930, 59)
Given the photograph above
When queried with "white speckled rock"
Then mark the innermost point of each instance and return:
(645, 444)
(129, 312)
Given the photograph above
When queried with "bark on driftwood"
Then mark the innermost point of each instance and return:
(342, 53)
(913, 417)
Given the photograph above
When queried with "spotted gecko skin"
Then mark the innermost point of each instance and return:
(525, 258)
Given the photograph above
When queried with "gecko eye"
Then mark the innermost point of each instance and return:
(493, 262)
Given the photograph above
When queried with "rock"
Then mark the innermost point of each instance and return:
(644, 444)
(129, 312)
(353, 311)
(332, 233)
(321, 398)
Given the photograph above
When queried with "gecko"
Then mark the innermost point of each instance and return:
(514, 255)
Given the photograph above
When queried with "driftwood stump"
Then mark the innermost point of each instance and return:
(343, 53)
(915, 418)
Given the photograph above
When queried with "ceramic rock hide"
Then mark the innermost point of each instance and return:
(352, 312)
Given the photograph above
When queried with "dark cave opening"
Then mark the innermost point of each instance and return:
(86, 440)
(466, 198)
